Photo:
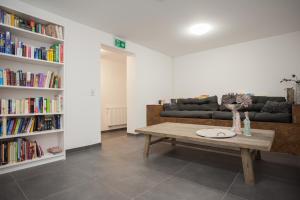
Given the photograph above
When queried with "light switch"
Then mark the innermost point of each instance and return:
(92, 92)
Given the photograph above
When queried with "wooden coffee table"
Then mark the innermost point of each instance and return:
(185, 134)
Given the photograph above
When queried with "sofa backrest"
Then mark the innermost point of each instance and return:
(194, 104)
(211, 104)
(264, 99)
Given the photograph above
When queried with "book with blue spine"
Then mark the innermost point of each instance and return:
(1, 76)
(2, 42)
(8, 46)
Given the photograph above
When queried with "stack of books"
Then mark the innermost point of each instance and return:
(12, 45)
(29, 79)
(15, 126)
(31, 105)
(31, 25)
(19, 150)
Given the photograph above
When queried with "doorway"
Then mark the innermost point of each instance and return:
(113, 91)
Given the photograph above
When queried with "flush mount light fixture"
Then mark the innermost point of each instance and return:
(200, 29)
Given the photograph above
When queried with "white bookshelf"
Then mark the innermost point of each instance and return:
(29, 88)
(46, 138)
(20, 59)
(29, 34)
(30, 114)
(32, 134)
(47, 158)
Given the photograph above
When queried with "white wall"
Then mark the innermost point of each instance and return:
(82, 46)
(255, 66)
(113, 85)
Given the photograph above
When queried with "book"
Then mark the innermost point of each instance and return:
(1, 76)
(15, 126)
(10, 44)
(18, 150)
(29, 79)
(32, 105)
(51, 30)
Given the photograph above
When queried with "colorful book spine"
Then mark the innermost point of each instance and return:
(32, 105)
(19, 150)
(1, 76)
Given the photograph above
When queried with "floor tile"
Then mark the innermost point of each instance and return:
(232, 197)
(137, 183)
(216, 177)
(180, 189)
(41, 186)
(11, 191)
(89, 191)
(266, 188)
(5, 179)
(284, 172)
(35, 171)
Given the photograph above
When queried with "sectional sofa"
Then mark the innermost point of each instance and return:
(265, 113)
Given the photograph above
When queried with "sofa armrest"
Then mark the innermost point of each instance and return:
(296, 113)
(153, 114)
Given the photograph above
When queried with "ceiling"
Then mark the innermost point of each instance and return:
(161, 24)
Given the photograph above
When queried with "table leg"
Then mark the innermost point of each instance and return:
(247, 166)
(173, 141)
(147, 146)
(258, 155)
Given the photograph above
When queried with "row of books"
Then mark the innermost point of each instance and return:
(31, 25)
(19, 150)
(29, 79)
(15, 126)
(31, 105)
(12, 45)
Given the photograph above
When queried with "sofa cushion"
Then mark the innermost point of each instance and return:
(264, 99)
(256, 107)
(170, 106)
(192, 101)
(273, 117)
(228, 115)
(212, 99)
(208, 100)
(203, 107)
(187, 114)
(277, 107)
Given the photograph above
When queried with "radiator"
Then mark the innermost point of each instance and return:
(116, 116)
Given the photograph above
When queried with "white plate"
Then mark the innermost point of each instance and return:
(216, 133)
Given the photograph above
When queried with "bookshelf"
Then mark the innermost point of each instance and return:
(29, 114)
(29, 88)
(36, 38)
(20, 59)
(29, 34)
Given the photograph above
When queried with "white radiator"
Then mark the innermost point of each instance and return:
(116, 116)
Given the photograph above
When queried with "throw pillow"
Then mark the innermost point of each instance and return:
(277, 107)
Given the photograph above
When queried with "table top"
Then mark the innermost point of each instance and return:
(260, 139)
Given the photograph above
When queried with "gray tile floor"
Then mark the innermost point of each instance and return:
(117, 171)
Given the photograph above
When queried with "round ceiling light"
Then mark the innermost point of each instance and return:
(200, 29)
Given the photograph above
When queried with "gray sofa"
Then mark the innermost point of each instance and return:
(263, 109)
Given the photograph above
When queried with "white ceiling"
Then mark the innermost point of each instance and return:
(161, 24)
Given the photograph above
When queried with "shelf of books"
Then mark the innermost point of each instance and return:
(31, 91)
(29, 88)
(29, 60)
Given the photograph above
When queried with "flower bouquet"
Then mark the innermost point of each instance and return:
(234, 102)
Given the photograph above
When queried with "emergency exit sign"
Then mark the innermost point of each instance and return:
(120, 43)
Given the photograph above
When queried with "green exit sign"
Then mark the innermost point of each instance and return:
(120, 43)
